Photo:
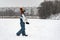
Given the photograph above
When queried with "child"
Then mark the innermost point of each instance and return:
(23, 20)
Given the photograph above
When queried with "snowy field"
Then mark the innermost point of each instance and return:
(38, 29)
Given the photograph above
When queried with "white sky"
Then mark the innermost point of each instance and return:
(20, 3)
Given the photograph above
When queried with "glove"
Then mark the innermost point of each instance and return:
(27, 22)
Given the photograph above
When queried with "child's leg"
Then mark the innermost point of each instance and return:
(23, 29)
(20, 31)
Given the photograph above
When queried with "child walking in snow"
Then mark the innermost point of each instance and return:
(23, 20)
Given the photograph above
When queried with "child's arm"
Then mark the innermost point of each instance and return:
(24, 18)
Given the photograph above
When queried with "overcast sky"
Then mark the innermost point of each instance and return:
(20, 3)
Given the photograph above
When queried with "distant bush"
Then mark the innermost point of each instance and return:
(48, 8)
(8, 13)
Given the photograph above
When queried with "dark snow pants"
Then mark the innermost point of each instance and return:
(22, 30)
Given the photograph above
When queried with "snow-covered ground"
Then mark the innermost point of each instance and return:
(38, 29)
